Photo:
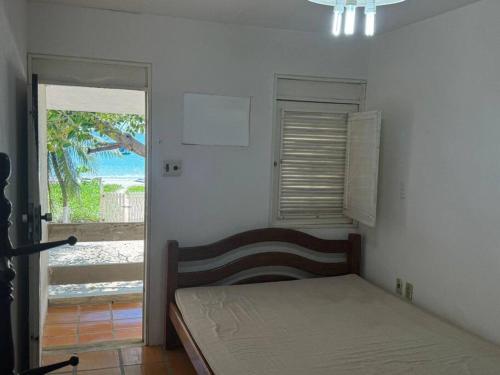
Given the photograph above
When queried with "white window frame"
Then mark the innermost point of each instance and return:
(274, 199)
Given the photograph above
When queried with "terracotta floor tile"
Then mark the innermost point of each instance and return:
(179, 362)
(52, 330)
(107, 371)
(151, 369)
(98, 360)
(127, 314)
(92, 338)
(136, 360)
(127, 323)
(51, 342)
(128, 334)
(73, 309)
(132, 370)
(93, 327)
(59, 318)
(126, 306)
(49, 359)
(94, 308)
(153, 354)
(132, 356)
(94, 316)
(144, 354)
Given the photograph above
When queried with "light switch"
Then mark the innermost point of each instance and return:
(402, 191)
(409, 291)
(172, 168)
(399, 286)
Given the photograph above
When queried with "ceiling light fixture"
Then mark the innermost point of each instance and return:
(349, 8)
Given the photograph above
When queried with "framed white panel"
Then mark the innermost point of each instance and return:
(362, 163)
(214, 120)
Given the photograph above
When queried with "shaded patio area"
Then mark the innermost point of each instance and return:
(94, 295)
(74, 326)
(99, 267)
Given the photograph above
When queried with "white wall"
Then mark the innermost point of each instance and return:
(224, 190)
(438, 84)
(12, 120)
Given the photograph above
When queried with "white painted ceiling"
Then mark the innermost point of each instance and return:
(280, 14)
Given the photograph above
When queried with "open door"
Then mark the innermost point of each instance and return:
(37, 203)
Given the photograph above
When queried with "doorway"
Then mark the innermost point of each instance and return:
(91, 144)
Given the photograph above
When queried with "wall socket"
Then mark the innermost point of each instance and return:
(402, 191)
(172, 168)
(399, 287)
(409, 291)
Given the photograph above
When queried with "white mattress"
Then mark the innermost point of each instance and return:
(341, 325)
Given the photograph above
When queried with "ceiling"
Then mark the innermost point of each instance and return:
(281, 14)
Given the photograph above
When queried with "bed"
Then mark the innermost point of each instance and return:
(277, 301)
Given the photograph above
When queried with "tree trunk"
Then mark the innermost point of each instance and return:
(125, 140)
(64, 191)
(66, 215)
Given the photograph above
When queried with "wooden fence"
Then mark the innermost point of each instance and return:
(122, 207)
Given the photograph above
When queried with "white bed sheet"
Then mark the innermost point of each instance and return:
(340, 325)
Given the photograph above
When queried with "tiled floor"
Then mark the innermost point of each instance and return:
(128, 361)
(84, 325)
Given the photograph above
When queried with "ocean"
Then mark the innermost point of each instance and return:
(126, 165)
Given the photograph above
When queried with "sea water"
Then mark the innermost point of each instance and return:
(123, 165)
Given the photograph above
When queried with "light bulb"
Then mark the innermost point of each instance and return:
(370, 12)
(370, 24)
(337, 21)
(350, 20)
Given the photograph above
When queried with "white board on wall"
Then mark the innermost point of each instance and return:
(214, 120)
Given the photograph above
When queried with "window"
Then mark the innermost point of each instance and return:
(315, 144)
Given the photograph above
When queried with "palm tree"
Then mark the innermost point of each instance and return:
(73, 138)
(66, 146)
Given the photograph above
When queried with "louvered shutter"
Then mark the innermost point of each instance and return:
(312, 165)
(361, 178)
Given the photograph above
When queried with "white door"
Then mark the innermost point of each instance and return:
(37, 204)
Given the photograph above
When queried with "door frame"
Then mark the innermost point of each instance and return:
(149, 176)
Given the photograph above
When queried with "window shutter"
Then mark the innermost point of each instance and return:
(361, 178)
(312, 166)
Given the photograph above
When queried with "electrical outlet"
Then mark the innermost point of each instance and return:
(402, 191)
(399, 286)
(172, 168)
(409, 291)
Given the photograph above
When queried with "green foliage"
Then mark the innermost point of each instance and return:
(84, 207)
(112, 188)
(70, 135)
(136, 189)
(89, 127)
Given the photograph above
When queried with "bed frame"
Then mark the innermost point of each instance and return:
(177, 332)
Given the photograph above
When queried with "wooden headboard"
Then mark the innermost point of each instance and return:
(220, 261)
